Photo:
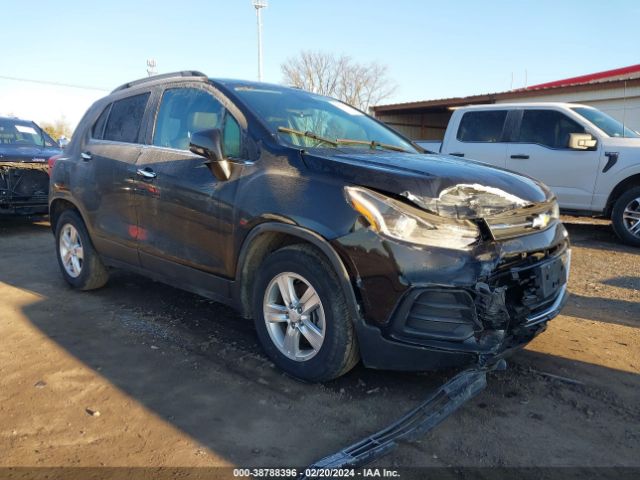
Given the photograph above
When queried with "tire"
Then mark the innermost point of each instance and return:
(316, 361)
(624, 223)
(87, 272)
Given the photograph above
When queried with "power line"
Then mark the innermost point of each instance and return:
(58, 84)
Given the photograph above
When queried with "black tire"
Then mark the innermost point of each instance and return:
(617, 220)
(93, 273)
(339, 351)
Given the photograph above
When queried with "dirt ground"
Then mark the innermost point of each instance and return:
(141, 374)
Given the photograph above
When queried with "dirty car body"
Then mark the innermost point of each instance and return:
(441, 262)
(24, 180)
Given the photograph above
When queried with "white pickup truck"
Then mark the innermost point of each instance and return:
(589, 159)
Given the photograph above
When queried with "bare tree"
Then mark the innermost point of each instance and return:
(58, 128)
(360, 85)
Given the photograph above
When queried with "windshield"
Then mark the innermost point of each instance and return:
(308, 120)
(26, 134)
(604, 122)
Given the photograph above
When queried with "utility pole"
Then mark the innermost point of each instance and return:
(259, 5)
(151, 67)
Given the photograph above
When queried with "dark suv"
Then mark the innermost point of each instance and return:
(24, 153)
(340, 238)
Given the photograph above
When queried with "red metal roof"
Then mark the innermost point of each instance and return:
(590, 78)
(594, 81)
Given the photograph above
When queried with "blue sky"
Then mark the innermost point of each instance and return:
(433, 49)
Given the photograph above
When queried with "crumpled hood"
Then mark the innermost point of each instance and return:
(426, 179)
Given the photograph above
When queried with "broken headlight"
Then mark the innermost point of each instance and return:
(401, 221)
(470, 201)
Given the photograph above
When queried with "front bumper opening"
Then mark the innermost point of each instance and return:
(506, 309)
(24, 188)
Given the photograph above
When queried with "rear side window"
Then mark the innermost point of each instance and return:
(184, 111)
(548, 128)
(98, 127)
(482, 126)
(125, 119)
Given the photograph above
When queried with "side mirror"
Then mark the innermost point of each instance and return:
(208, 144)
(63, 142)
(582, 141)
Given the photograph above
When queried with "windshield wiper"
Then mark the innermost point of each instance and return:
(308, 134)
(372, 144)
(342, 141)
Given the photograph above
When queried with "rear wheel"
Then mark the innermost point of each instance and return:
(301, 315)
(625, 217)
(79, 263)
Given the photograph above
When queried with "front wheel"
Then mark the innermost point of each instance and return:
(301, 315)
(625, 217)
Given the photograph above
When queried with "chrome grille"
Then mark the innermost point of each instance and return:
(522, 221)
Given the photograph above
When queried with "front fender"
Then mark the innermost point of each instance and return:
(610, 184)
(307, 236)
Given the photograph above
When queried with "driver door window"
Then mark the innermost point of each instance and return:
(540, 150)
(548, 128)
(184, 111)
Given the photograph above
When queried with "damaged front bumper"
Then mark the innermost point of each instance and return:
(448, 309)
(24, 188)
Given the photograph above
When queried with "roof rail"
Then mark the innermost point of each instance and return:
(184, 73)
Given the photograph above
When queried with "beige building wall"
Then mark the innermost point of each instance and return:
(418, 126)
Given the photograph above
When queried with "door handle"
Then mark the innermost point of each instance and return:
(146, 173)
(86, 156)
(520, 156)
(457, 154)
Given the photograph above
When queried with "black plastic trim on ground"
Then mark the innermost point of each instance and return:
(425, 417)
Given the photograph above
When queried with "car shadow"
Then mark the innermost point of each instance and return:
(208, 377)
(608, 310)
(628, 282)
(23, 225)
(596, 235)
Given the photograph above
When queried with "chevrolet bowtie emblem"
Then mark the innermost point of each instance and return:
(540, 221)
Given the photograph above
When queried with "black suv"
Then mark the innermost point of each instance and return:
(339, 237)
(24, 153)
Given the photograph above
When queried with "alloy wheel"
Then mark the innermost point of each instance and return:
(294, 316)
(71, 251)
(631, 217)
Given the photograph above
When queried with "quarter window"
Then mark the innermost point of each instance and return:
(482, 126)
(231, 137)
(548, 128)
(125, 119)
(98, 127)
(184, 111)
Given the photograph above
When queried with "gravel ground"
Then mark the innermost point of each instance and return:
(141, 374)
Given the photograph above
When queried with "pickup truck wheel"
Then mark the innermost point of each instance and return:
(79, 263)
(625, 217)
(301, 315)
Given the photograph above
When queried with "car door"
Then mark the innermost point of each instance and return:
(480, 136)
(107, 193)
(541, 150)
(178, 195)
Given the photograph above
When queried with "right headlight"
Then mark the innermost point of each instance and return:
(400, 221)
